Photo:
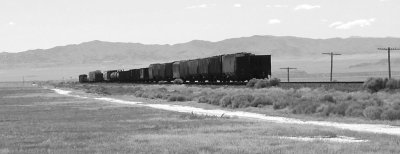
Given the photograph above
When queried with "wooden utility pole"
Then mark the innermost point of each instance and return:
(388, 50)
(332, 54)
(288, 68)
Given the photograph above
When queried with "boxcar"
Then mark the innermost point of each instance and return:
(193, 66)
(184, 70)
(175, 70)
(95, 76)
(135, 75)
(215, 68)
(124, 76)
(154, 72)
(106, 75)
(203, 68)
(168, 72)
(83, 78)
(114, 76)
(144, 74)
(229, 65)
(161, 72)
(260, 66)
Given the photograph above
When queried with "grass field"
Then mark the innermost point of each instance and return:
(35, 120)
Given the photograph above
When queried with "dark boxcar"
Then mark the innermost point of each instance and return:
(203, 68)
(229, 65)
(242, 69)
(124, 76)
(175, 70)
(106, 75)
(83, 78)
(260, 66)
(154, 72)
(144, 74)
(193, 69)
(95, 76)
(215, 68)
(184, 70)
(135, 75)
(161, 72)
(168, 71)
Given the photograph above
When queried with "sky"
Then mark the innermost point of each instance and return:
(42, 24)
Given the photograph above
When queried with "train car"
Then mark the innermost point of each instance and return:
(154, 72)
(124, 76)
(161, 72)
(230, 67)
(175, 70)
(203, 69)
(106, 75)
(184, 70)
(95, 76)
(144, 74)
(260, 66)
(215, 68)
(168, 72)
(135, 75)
(114, 76)
(83, 78)
(193, 66)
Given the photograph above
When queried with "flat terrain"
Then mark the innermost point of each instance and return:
(36, 120)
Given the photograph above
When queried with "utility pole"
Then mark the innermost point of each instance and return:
(332, 54)
(388, 50)
(288, 68)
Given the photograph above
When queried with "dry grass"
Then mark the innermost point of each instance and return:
(38, 121)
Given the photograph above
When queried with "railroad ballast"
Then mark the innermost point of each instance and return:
(223, 68)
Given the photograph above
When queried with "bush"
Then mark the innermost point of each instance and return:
(178, 98)
(354, 110)
(177, 81)
(372, 112)
(261, 101)
(251, 83)
(392, 84)
(304, 107)
(262, 83)
(375, 84)
(274, 82)
(241, 100)
(327, 98)
(390, 114)
(225, 101)
(324, 109)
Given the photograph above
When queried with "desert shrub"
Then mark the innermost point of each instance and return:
(372, 112)
(274, 82)
(375, 84)
(392, 84)
(177, 81)
(251, 82)
(304, 107)
(178, 98)
(283, 102)
(354, 109)
(390, 114)
(203, 99)
(262, 83)
(340, 108)
(98, 90)
(241, 100)
(324, 109)
(327, 98)
(226, 101)
(261, 101)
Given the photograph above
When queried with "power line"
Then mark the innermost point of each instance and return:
(332, 54)
(388, 50)
(288, 68)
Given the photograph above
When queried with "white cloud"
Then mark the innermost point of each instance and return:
(277, 6)
(274, 21)
(324, 20)
(237, 5)
(351, 24)
(11, 23)
(306, 7)
(201, 6)
(337, 23)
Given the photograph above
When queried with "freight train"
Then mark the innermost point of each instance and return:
(238, 67)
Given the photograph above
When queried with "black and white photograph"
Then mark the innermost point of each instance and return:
(200, 76)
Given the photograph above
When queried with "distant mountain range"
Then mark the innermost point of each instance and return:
(133, 55)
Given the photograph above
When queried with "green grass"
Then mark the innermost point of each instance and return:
(34, 120)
